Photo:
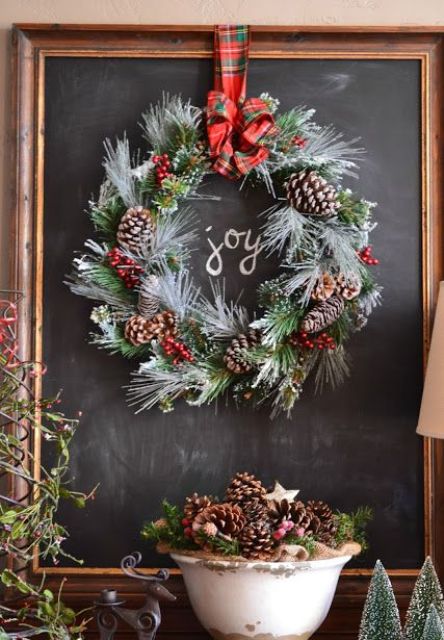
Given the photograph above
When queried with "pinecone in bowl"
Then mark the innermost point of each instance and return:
(228, 519)
(245, 488)
(256, 541)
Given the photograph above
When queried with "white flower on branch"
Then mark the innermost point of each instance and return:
(100, 314)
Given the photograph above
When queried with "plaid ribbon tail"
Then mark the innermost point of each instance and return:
(236, 126)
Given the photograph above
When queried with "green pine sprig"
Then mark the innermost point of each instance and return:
(352, 526)
(171, 531)
(106, 218)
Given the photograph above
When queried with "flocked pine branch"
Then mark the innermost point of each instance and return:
(99, 293)
(278, 322)
(152, 384)
(275, 365)
(119, 170)
(163, 119)
(296, 121)
(174, 233)
(371, 299)
(332, 367)
(324, 148)
(286, 394)
(327, 147)
(341, 241)
(86, 280)
(283, 152)
(155, 382)
(177, 292)
(222, 319)
(284, 226)
(107, 191)
(305, 275)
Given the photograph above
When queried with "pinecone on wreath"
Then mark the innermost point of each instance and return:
(323, 315)
(245, 489)
(194, 505)
(140, 330)
(235, 356)
(136, 229)
(228, 519)
(309, 193)
(325, 287)
(348, 288)
(256, 541)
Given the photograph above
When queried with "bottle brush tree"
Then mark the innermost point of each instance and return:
(380, 618)
(433, 629)
(427, 592)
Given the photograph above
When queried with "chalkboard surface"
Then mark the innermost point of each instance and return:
(352, 446)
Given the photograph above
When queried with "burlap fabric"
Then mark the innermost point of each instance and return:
(283, 553)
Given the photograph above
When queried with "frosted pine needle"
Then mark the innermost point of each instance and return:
(167, 115)
(284, 226)
(222, 319)
(176, 291)
(119, 170)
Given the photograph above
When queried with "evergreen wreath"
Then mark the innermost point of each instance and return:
(197, 349)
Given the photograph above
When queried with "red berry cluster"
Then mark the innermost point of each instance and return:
(162, 165)
(127, 269)
(366, 256)
(176, 349)
(299, 141)
(322, 341)
(285, 527)
(187, 528)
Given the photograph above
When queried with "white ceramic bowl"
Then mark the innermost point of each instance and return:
(260, 600)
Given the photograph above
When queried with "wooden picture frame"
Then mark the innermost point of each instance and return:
(33, 44)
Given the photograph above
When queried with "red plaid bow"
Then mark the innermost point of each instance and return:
(236, 127)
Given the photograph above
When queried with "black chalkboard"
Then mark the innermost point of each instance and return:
(352, 446)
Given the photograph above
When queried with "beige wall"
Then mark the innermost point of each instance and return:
(355, 12)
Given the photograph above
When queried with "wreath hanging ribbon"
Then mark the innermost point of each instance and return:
(236, 126)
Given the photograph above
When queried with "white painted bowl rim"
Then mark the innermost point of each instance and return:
(301, 564)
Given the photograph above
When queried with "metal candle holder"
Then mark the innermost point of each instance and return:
(109, 609)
